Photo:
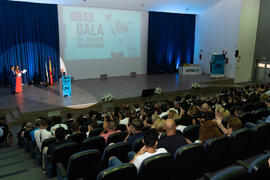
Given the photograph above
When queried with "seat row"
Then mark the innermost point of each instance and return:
(189, 161)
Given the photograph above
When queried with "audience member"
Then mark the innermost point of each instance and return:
(91, 126)
(135, 131)
(150, 149)
(159, 126)
(172, 141)
(208, 130)
(233, 123)
(32, 133)
(42, 133)
(76, 135)
(57, 121)
(110, 127)
(60, 135)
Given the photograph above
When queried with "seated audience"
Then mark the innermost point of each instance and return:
(92, 125)
(154, 117)
(76, 135)
(159, 126)
(42, 133)
(233, 123)
(57, 121)
(110, 127)
(172, 141)
(150, 149)
(60, 135)
(135, 131)
(37, 124)
(208, 130)
(164, 109)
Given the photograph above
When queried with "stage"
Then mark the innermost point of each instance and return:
(90, 91)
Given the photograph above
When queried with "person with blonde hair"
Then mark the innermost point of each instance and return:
(220, 112)
(154, 117)
(159, 126)
(173, 115)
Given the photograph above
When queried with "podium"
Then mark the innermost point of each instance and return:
(217, 65)
(66, 86)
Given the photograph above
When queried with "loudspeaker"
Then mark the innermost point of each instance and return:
(103, 76)
(133, 74)
(236, 53)
(148, 92)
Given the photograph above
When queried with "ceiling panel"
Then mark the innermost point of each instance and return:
(177, 6)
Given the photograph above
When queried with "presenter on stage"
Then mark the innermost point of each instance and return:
(18, 88)
(12, 76)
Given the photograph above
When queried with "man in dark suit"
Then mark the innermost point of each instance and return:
(12, 76)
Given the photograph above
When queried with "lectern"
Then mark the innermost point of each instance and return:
(66, 86)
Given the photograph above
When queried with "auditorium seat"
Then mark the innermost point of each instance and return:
(26, 145)
(233, 173)
(261, 136)
(259, 105)
(45, 143)
(248, 107)
(121, 172)
(260, 113)
(158, 167)
(192, 132)
(61, 154)
(80, 165)
(240, 144)
(78, 137)
(96, 142)
(120, 150)
(117, 137)
(138, 145)
(122, 127)
(216, 153)
(95, 132)
(188, 162)
(259, 168)
(247, 117)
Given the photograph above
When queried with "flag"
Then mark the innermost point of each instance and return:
(47, 75)
(50, 71)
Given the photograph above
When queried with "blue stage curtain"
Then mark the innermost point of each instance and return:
(28, 37)
(170, 41)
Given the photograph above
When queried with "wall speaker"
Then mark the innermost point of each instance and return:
(133, 74)
(103, 76)
(236, 53)
(148, 92)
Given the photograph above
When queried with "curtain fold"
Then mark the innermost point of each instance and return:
(171, 39)
(28, 37)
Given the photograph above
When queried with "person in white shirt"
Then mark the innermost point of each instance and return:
(149, 149)
(42, 133)
(164, 109)
(57, 120)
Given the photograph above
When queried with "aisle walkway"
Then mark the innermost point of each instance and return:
(16, 164)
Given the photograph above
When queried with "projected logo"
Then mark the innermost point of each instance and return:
(101, 34)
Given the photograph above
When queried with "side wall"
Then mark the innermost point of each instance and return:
(247, 40)
(217, 30)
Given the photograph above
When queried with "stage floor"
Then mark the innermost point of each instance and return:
(90, 91)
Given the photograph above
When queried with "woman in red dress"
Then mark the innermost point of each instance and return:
(18, 87)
